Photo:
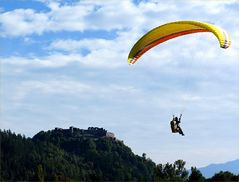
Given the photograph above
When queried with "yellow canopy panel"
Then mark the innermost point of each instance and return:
(175, 29)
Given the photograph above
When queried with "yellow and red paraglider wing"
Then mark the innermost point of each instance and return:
(171, 30)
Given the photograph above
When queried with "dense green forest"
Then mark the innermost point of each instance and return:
(85, 155)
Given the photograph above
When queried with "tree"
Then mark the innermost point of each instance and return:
(40, 173)
(180, 169)
(195, 175)
(144, 155)
(171, 172)
(224, 176)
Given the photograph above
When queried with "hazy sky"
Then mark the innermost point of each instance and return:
(64, 63)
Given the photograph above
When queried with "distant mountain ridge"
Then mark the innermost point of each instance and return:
(210, 170)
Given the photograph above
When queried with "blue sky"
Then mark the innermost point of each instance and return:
(64, 63)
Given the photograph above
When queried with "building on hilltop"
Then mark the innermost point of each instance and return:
(60, 129)
(91, 132)
(99, 132)
(110, 135)
(73, 129)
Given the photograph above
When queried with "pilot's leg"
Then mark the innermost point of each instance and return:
(180, 131)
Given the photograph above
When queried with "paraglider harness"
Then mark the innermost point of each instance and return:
(175, 125)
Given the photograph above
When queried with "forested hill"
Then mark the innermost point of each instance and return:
(70, 154)
(92, 154)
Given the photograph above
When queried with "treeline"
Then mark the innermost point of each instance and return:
(52, 156)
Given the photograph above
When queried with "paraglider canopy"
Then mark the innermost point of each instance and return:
(171, 30)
